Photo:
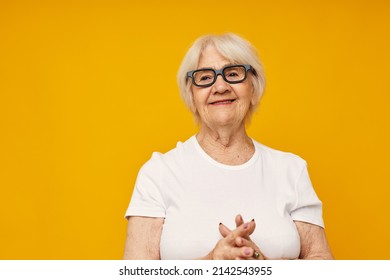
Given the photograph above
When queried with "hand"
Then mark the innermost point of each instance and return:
(243, 241)
(234, 245)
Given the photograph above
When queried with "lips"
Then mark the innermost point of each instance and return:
(223, 101)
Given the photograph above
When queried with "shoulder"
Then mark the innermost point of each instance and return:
(159, 161)
(280, 159)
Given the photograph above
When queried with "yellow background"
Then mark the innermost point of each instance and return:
(88, 92)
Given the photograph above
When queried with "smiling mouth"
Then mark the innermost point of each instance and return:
(222, 102)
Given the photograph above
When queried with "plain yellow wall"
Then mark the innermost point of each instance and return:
(88, 92)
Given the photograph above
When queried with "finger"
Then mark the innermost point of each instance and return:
(249, 253)
(244, 230)
(238, 241)
(225, 250)
(241, 242)
(253, 223)
(239, 220)
(224, 230)
(247, 237)
(246, 253)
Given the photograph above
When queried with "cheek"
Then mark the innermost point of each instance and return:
(199, 96)
(197, 101)
(195, 96)
(247, 93)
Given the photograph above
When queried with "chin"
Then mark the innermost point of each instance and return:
(225, 121)
(228, 116)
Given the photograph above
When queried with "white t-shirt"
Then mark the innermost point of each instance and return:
(194, 193)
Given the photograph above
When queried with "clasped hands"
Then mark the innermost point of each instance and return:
(236, 244)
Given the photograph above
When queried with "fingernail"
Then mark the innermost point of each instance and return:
(246, 225)
(253, 220)
(220, 223)
(247, 251)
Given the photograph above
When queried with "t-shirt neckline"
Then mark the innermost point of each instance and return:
(222, 165)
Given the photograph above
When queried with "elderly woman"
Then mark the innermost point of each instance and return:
(221, 194)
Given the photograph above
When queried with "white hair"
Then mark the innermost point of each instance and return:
(236, 50)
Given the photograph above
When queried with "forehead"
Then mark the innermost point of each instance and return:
(211, 58)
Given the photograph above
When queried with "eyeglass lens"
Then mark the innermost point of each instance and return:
(231, 74)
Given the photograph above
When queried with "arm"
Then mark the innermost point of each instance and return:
(143, 238)
(313, 242)
(144, 234)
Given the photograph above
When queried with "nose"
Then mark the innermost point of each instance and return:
(220, 86)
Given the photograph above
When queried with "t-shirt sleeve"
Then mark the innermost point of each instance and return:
(308, 207)
(147, 200)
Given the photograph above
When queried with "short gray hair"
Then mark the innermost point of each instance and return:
(233, 48)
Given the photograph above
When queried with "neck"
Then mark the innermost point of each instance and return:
(225, 144)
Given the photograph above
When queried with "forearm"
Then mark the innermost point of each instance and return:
(143, 238)
(318, 256)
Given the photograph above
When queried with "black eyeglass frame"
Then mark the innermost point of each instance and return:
(247, 67)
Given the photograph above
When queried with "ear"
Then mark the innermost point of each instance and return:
(254, 97)
(193, 107)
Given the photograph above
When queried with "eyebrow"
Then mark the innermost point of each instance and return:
(225, 65)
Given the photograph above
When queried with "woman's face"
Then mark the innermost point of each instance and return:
(221, 104)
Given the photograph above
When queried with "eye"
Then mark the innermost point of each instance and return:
(232, 73)
(205, 77)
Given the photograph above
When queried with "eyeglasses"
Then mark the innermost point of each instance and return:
(232, 74)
